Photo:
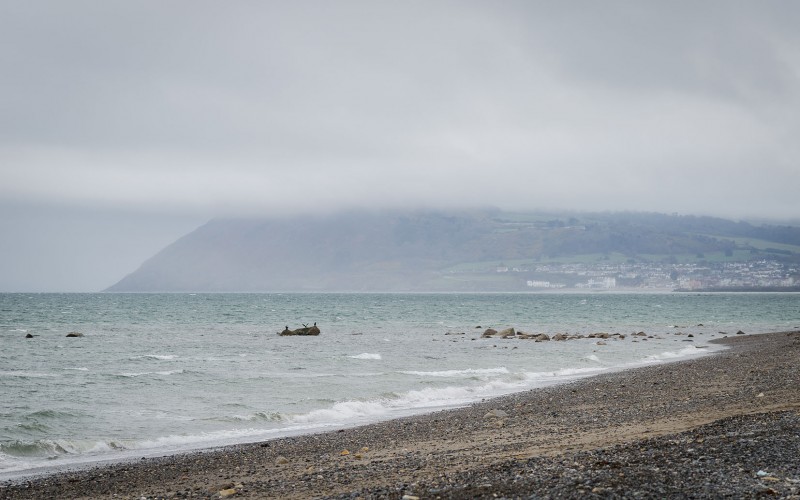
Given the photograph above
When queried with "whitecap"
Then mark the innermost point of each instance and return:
(366, 355)
(459, 373)
(26, 374)
(140, 374)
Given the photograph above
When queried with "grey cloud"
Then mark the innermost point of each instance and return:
(125, 124)
(203, 105)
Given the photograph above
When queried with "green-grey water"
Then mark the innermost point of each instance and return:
(156, 373)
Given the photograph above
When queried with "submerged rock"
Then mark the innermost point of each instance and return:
(74, 334)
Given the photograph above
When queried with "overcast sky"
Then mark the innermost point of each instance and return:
(126, 124)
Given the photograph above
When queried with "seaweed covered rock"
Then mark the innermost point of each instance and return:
(306, 330)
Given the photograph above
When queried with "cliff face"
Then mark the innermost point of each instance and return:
(420, 251)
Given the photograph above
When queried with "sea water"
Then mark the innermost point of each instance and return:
(162, 373)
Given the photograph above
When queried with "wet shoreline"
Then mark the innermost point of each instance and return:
(667, 429)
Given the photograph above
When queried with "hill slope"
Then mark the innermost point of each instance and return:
(423, 251)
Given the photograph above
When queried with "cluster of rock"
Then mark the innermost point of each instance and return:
(511, 333)
(70, 334)
(306, 330)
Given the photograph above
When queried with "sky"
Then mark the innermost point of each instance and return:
(125, 125)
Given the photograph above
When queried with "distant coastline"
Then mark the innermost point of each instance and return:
(741, 289)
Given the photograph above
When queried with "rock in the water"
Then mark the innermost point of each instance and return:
(559, 336)
(740, 332)
(489, 332)
(74, 334)
(306, 330)
(29, 336)
(508, 332)
(542, 337)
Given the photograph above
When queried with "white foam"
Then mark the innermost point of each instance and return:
(673, 355)
(366, 355)
(415, 401)
(564, 374)
(140, 374)
(26, 374)
(459, 373)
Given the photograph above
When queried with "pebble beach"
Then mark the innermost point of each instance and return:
(725, 425)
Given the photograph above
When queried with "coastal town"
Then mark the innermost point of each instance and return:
(764, 274)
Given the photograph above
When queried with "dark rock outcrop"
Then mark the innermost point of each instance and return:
(306, 330)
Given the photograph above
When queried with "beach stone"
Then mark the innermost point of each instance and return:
(74, 334)
(281, 460)
(345, 452)
(496, 414)
(227, 492)
(489, 332)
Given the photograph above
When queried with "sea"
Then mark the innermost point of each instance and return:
(158, 374)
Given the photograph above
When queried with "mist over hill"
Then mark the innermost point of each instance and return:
(441, 251)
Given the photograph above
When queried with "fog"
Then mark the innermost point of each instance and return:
(124, 125)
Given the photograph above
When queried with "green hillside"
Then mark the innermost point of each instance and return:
(475, 250)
